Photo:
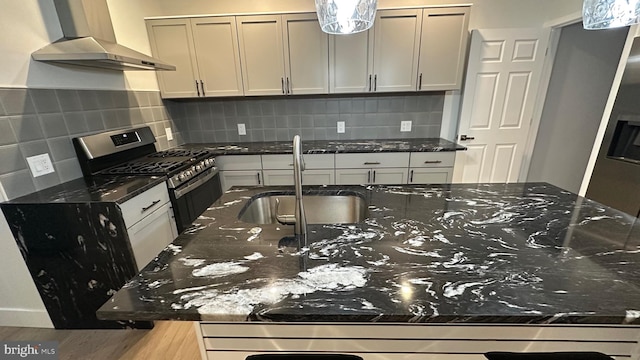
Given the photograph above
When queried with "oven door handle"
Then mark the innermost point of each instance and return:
(180, 192)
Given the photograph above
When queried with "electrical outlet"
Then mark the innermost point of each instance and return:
(340, 127)
(405, 126)
(169, 133)
(242, 130)
(40, 165)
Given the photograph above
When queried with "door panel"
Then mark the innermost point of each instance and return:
(430, 176)
(502, 81)
(353, 176)
(261, 54)
(240, 178)
(395, 62)
(351, 62)
(216, 46)
(172, 41)
(306, 49)
(389, 176)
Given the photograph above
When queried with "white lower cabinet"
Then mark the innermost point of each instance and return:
(152, 234)
(389, 168)
(409, 341)
(150, 223)
(380, 176)
(229, 178)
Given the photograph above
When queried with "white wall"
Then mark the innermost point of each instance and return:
(583, 71)
(28, 25)
(20, 303)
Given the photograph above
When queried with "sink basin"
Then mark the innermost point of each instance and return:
(320, 208)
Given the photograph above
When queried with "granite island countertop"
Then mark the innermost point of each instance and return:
(330, 146)
(479, 253)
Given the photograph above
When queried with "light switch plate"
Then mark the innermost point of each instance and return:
(405, 126)
(242, 130)
(340, 127)
(169, 133)
(40, 165)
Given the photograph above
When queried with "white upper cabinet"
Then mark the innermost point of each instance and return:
(216, 47)
(351, 63)
(172, 41)
(262, 54)
(205, 52)
(306, 51)
(283, 54)
(443, 47)
(396, 49)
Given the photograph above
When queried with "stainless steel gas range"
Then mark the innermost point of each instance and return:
(192, 177)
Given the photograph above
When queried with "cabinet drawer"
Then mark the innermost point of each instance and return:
(138, 207)
(239, 162)
(432, 159)
(371, 160)
(285, 162)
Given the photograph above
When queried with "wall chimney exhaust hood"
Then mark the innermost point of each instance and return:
(89, 40)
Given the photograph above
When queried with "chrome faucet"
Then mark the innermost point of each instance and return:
(300, 227)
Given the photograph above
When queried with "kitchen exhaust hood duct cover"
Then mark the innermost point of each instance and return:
(89, 40)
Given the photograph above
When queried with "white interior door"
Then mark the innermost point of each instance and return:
(503, 75)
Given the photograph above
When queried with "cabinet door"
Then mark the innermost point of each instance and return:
(351, 63)
(240, 178)
(261, 54)
(397, 41)
(430, 175)
(306, 50)
(319, 177)
(152, 234)
(218, 56)
(443, 47)
(172, 41)
(388, 176)
(278, 177)
(353, 176)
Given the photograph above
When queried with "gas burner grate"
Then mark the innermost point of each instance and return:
(145, 168)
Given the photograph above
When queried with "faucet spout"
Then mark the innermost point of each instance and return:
(300, 227)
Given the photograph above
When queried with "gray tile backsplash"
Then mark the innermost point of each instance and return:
(365, 117)
(35, 121)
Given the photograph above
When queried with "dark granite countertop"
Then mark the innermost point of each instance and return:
(331, 146)
(97, 189)
(479, 253)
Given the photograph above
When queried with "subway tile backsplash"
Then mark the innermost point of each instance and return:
(35, 121)
(365, 117)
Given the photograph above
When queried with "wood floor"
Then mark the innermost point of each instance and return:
(175, 340)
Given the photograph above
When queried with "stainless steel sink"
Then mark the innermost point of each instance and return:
(320, 208)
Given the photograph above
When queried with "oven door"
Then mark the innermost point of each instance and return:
(191, 199)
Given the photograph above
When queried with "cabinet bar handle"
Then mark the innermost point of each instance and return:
(370, 88)
(282, 80)
(433, 162)
(369, 176)
(374, 176)
(259, 182)
(372, 163)
(197, 88)
(288, 86)
(375, 83)
(150, 206)
(411, 177)
(420, 82)
(202, 86)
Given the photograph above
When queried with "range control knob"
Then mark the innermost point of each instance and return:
(198, 167)
(181, 176)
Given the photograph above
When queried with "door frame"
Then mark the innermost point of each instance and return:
(555, 27)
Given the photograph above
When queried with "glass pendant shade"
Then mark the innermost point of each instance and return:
(605, 14)
(346, 16)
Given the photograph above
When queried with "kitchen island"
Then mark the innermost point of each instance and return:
(436, 271)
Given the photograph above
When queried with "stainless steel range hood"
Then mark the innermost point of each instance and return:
(89, 40)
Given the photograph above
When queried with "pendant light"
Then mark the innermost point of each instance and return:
(605, 14)
(346, 16)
